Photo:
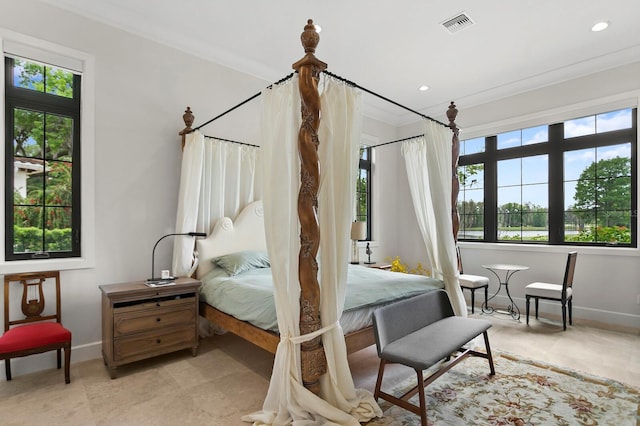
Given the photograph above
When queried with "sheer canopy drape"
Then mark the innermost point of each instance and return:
(428, 164)
(217, 180)
(287, 401)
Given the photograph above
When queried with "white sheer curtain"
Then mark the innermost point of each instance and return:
(428, 163)
(287, 401)
(188, 202)
(218, 179)
(339, 133)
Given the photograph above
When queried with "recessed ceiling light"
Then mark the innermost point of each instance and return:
(600, 26)
(423, 88)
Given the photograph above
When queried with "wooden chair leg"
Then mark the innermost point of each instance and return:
(7, 368)
(570, 313)
(473, 300)
(564, 317)
(528, 300)
(59, 358)
(537, 300)
(67, 364)
(486, 295)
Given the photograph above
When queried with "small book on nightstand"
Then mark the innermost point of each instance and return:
(160, 283)
(384, 266)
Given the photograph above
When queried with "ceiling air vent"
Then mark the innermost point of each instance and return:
(458, 23)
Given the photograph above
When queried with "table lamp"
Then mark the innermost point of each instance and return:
(358, 232)
(368, 252)
(153, 255)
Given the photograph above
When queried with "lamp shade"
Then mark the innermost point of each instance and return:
(359, 231)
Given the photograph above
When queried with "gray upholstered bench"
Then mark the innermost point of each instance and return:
(420, 332)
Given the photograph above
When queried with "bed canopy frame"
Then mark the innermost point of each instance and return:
(309, 68)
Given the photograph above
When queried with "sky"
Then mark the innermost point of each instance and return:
(525, 179)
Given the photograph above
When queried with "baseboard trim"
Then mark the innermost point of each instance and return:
(45, 361)
(608, 320)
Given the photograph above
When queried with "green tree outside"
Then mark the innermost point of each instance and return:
(601, 211)
(43, 216)
(604, 188)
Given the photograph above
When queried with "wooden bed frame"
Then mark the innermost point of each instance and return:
(313, 359)
(246, 232)
(268, 340)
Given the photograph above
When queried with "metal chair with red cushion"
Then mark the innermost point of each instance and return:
(36, 332)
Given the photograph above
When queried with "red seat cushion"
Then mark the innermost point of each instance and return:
(31, 336)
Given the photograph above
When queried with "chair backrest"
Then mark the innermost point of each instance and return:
(569, 271)
(33, 297)
(459, 256)
(398, 319)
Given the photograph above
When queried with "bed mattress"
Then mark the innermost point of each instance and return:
(248, 296)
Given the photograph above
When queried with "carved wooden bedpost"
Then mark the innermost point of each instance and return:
(313, 358)
(188, 118)
(452, 113)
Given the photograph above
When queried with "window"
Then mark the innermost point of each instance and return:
(363, 189)
(565, 183)
(42, 161)
(471, 195)
(471, 202)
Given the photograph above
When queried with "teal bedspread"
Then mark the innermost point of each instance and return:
(249, 295)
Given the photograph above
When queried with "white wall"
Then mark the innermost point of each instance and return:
(607, 283)
(377, 133)
(142, 89)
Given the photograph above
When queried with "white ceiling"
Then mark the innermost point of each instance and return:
(393, 47)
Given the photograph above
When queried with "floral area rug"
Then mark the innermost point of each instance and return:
(521, 393)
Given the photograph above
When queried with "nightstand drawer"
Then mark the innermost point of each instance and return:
(153, 343)
(152, 303)
(152, 319)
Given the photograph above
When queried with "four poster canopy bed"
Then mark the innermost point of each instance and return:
(311, 335)
(237, 289)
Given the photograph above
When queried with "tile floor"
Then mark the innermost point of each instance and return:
(230, 377)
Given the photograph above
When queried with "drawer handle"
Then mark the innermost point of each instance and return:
(158, 304)
(158, 319)
(158, 341)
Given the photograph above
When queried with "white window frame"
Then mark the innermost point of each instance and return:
(14, 43)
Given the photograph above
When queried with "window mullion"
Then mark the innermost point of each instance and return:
(491, 191)
(556, 183)
(44, 182)
(634, 178)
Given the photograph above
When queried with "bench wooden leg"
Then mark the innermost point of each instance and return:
(421, 397)
(376, 393)
(421, 410)
(489, 356)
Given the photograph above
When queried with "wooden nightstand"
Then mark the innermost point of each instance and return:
(140, 322)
